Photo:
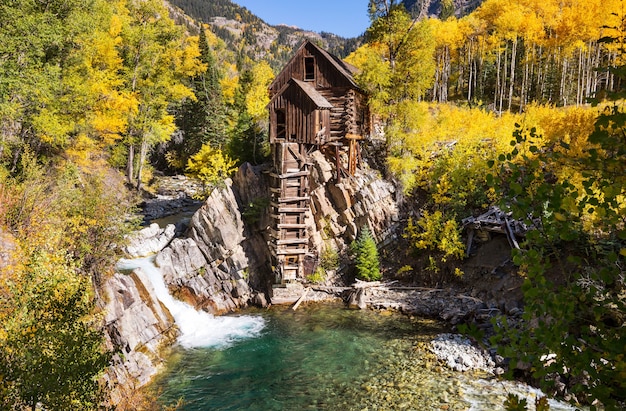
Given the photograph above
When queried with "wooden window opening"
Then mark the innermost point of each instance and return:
(281, 124)
(309, 69)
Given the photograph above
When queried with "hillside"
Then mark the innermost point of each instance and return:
(434, 7)
(250, 36)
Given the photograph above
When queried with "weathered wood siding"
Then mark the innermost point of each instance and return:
(326, 75)
(302, 118)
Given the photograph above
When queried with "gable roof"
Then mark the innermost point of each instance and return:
(345, 69)
(313, 94)
(308, 89)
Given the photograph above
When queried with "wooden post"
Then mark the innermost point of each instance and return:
(352, 153)
(297, 304)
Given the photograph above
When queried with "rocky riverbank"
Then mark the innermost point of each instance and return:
(219, 261)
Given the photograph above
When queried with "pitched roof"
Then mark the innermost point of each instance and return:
(345, 69)
(309, 90)
(313, 94)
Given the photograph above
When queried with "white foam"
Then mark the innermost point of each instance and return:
(481, 395)
(198, 328)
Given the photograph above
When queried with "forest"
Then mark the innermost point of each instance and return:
(517, 104)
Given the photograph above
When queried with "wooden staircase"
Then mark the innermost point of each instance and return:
(290, 202)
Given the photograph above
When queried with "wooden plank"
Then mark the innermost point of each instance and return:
(292, 252)
(293, 209)
(291, 175)
(302, 297)
(281, 226)
(293, 199)
(293, 241)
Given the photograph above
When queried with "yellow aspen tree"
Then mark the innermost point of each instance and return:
(157, 56)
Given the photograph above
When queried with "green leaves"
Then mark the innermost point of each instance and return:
(51, 352)
(366, 255)
(578, 245)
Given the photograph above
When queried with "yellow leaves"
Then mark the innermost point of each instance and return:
(52, 128)
(258, 97)
(447, 33)
(211, 166)
(375, 75)
(229, 83)
(188, 58)
(433, 231)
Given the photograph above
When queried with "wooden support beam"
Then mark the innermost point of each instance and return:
(293, 209)
(291, 175)
(293, 241)
(280, 226)
(292, 252)
(293, 199)
(302, 297)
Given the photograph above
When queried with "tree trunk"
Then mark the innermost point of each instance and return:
(497, 86)
(513, 58)
(469, 70)
(129, 166)
(142, 158)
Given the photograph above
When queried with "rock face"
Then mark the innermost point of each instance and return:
(209, 267)
(149, 240)
(138, 326)
(340, 210)
(222, 262)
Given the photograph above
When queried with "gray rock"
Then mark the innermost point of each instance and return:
(140, 325)
(149, 240)
(204, 268)
(460, 354)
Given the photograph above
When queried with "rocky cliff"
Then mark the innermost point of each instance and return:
(209, 266)
(340, 209)
(138, 327)
(221, 263)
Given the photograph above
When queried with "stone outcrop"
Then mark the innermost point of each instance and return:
(138, 327)
(340, 209)
(209, 267)
(222, 261)
(149, 240)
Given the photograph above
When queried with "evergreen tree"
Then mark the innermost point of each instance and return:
(367, 262)
(202, 119)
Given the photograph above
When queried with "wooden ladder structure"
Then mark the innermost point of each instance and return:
(289, 205)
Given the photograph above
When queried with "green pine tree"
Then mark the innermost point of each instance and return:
(202, 120)
(367, 262)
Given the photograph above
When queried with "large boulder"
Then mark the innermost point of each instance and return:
(208, 268)
(149, 240)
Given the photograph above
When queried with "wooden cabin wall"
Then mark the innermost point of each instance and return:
(326, 74)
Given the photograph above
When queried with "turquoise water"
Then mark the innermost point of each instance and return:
(325, 357)
(307, 359)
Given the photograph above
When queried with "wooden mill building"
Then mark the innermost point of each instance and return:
(315, 104)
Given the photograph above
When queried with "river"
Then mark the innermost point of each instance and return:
(320, 357)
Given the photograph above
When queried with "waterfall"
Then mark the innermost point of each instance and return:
(198, 328)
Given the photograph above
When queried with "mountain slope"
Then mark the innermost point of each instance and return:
(434, 7)
(251, 37)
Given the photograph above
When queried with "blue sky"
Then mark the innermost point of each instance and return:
(347, 18)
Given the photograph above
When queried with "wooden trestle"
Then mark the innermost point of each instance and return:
(290, 202)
